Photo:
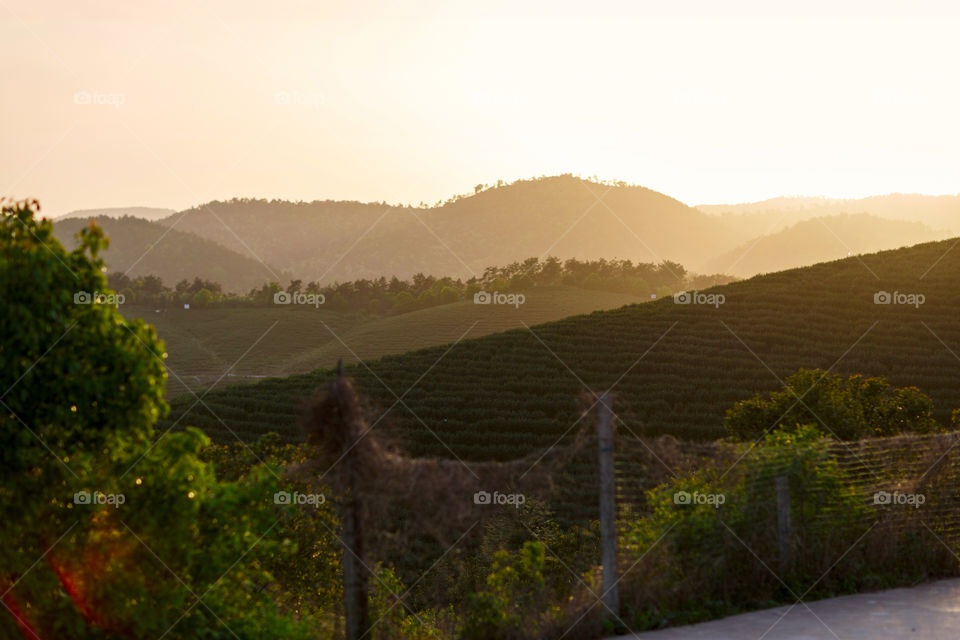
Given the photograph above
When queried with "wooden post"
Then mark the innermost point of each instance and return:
(608, 522)
(354, 572)
(784, 530)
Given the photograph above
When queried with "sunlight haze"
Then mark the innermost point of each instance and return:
(705, 102)
(527, 320)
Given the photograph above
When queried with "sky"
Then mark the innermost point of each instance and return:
(172, 104)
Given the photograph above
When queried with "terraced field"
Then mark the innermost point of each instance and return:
(675, 368)
(254, 343)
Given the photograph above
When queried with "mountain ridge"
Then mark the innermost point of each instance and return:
(149, 248)
(820, 239)
(563, 216)
(559, 215)
(145, 213)
(941, 211)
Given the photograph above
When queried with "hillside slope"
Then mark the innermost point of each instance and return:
(561, 216)
(819, 240)
(677, 367)
(256, 342)
(153, 249)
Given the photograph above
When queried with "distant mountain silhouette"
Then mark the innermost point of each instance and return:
(938, 212)
(820, 240)
(562, 216)
(153, 249)
(145, 213)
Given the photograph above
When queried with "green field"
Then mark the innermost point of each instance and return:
(251, 343)
(504, 395)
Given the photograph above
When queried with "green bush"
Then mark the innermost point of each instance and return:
(390, 618)
(514, 599)
(848, 408)
(708, 558)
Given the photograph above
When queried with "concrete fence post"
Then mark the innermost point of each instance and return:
(608, 514)
(356, 610)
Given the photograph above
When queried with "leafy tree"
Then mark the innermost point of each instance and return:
(203, 298)
(109, 531)
(426, 299)
(551, 271)
(117, 281)
(592, 281)
(500, 284)
(849, 408)
(264, 295)
(404, 302)
(447, 295)
(152, 284)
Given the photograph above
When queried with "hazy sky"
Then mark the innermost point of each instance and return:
(176, 103)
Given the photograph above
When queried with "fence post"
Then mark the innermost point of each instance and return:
(784, 531)
(354, 573)
(608, 523)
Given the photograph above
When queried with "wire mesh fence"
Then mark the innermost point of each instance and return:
(902, 482)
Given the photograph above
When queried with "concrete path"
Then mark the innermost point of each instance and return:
(927, 612)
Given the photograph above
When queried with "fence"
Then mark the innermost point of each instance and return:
(895, 486)
(883, 472)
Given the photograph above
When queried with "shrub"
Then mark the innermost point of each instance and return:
(849, 408)
(702, 560)
(511, 605)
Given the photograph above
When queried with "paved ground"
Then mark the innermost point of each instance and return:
(927, 612)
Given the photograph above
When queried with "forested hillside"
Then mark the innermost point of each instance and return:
(145, 213)
(149, 248)
(561, 216)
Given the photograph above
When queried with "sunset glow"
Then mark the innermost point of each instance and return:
(298, 100)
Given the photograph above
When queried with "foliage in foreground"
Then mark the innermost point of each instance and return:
(708, 558)
(106, 533)
(176, 537)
